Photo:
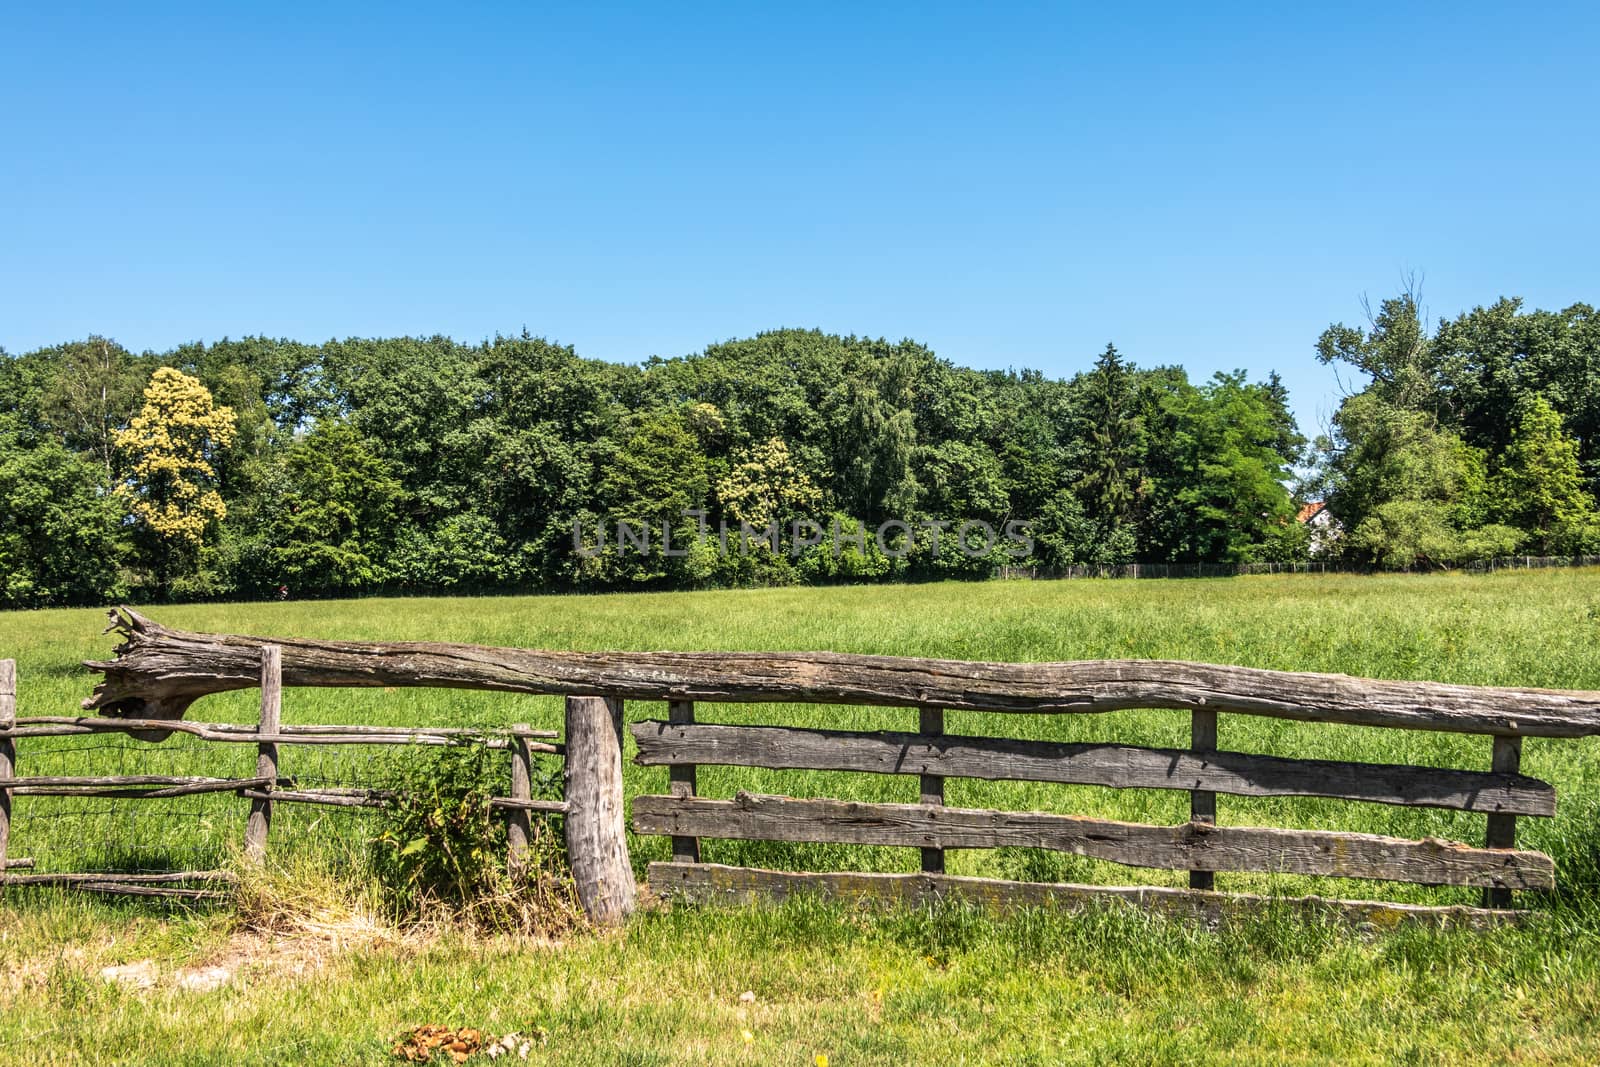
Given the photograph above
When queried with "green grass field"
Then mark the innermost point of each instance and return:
(941, 986)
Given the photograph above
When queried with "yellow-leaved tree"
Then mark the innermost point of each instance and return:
(767, 485)
(168, 449)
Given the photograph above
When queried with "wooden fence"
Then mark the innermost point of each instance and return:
(1237, 570)
(159, 672)
(1199, 846)
(268, 788)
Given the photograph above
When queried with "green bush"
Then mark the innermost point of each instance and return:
(441, 849)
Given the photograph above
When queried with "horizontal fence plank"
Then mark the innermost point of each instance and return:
(377, 798)
(305, 729)
(236, 733)
(1188, 846)
(549, 807)
(112, 780)
(367, 799)
(128, 890)
(140, 885)
(428, 731)
(714, 883)
(1119, 766)
(132, 786)
(159, 671)
(115, 780)
(76, 877)
(331, 798)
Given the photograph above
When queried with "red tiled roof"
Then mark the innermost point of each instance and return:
(1309, 511)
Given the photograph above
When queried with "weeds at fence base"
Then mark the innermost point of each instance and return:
(440, 851)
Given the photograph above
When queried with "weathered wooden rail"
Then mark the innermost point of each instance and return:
(159, 672)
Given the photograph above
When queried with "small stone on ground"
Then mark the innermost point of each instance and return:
(141, 975)
(202, 979)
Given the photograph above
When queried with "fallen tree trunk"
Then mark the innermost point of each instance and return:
(158, 672)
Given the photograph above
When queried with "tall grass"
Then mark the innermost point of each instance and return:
(1527, 628)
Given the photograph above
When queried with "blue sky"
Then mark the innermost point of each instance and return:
(1014, 186)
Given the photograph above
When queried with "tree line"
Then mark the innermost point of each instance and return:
(1476, 439)
(252, 467)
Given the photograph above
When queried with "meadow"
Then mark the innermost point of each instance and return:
(945, 984)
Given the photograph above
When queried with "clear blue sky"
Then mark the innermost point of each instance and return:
(1014, 186)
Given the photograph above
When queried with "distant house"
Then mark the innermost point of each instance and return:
(1325, 529)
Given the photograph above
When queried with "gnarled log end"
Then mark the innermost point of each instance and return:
(116, 695)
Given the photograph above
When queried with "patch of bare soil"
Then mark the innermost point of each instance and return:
(254, 954)
(274, 936)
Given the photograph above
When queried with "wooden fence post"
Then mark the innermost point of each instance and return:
(683, 782)
(519, 825)
(1203, 802)
(597, 843)
(931, 722)
(8, 751)
(260, 821)
(1502, 831)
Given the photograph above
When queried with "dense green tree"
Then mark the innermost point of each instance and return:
(1222, 486)
(657, 472)
(1403, 534)
(465, 550)
(1539, 486)
(874, 446)
(1037, 453)
(654, 481)
(1406, 471)
(1287, 441)
(286, 376)
(1394, 352)
(556, 420)
(1385, 453)
(1409, 492)
(91, 390)
(334, 523)
(1408, 488)
(421, 405)
(1491, 361)
(847, 409)
(1114, 439)
(249, 377)
(59, 525)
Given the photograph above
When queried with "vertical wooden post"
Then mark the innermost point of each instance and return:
(682, 782)
(931, 724)
(1502, 832)
(519, 821)
(8, 751)
(260, 821)
(1202, 802)
(597, 843)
